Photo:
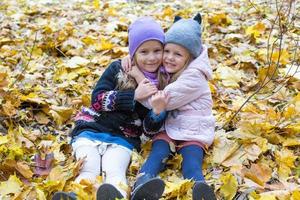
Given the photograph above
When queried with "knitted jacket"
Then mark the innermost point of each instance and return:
(115, 111)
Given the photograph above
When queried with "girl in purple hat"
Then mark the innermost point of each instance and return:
(106, 133)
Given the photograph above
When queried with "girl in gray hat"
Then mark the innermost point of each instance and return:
(190, 123)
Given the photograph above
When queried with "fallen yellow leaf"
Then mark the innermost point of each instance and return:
(296, 195)
(221, 19)
(282, 56)
(229, 186)
(229, 77)
(12, 186)
(60, 114)
(256, 30)
(24, 169)
(3, 139)
(259, 173)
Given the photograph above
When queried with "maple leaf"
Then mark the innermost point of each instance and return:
(221, 19)
(60, 114)
(43, 166)
(229, 187)
(285, 159)
(229, 76)
(259, 173)
(281, 56)
(12, 186)
(256, 30)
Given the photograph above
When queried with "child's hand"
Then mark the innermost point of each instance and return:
(136, 73)
(126, 63)
(144, 90)
(159, 101)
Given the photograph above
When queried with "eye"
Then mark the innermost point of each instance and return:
(166, 51)
(157, 50)
(178, 54)
(143, 51)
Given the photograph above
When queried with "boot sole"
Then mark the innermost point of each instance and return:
(203, 191)
(62, 196)
(151, 190)
(108, 192)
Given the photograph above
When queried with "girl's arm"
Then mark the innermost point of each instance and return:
(190, 85)
(132, 70)
(136, 74)
(126, 63)
(156, 117)
(106, 98)
(153, 122)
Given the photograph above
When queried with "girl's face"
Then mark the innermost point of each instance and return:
(175, 57)
(148, 56)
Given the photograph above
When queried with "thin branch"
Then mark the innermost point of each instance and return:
(30, 58)
(281, 85)
(60, 51)
(281, 32)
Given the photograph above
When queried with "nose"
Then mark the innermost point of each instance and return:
(152, 57)
(169, 56)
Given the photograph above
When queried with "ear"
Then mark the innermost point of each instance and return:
(198, 18)
(177, 18)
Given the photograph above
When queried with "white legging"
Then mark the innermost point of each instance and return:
(115, 161)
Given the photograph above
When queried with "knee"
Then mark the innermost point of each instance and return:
(160, 149)
(114, 172)
(192, 154)
(192, 157)
(114, 176)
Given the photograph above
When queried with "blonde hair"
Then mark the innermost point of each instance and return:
(163, 79)
(125, 81)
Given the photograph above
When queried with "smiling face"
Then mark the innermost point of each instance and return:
(175, 57)
(148, 56)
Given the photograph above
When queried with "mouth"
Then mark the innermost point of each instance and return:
(152, 65)
(167, 64)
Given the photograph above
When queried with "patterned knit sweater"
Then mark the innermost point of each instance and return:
(116, 112)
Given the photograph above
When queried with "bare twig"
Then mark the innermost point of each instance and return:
(60, 51)
(30, 58)
(287, 73)
(268, 77)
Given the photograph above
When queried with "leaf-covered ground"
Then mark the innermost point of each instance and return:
(52, 53)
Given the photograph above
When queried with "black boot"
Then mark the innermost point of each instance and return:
(64, 196)
(147, 187)
(202, 191)
(108, 192)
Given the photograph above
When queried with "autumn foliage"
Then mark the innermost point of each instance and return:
(51, 55)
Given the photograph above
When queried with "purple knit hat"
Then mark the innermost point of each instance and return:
(142, 30)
